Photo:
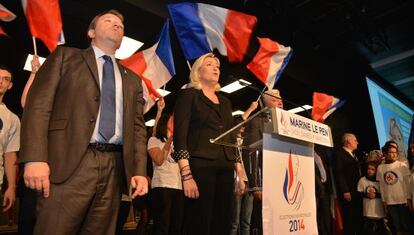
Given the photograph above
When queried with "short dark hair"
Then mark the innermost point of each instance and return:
(162, 127)
(8, 69)
(372, 163)
(92, 25)
(387, 147)
(391, 142)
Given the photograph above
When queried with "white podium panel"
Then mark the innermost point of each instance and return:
(289, 204)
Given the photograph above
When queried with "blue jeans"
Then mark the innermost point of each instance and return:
(242, 213)
(399, 217)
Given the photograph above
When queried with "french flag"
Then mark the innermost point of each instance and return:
(45, 22)
(6, 16)
(155, 66)
(201, 28)
(270, 61)
(324, 105)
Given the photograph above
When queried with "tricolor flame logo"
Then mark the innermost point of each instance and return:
(293, 188)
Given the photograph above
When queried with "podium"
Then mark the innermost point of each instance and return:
(289, 202)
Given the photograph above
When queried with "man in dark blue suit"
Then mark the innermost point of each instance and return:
(347, 171)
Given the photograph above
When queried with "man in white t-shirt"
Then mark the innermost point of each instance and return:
(9, 141)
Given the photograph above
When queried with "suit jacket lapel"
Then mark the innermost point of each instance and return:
(207, 101)
(125, 86)
(89, 56)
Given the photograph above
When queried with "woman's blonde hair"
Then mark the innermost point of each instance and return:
(194, 73)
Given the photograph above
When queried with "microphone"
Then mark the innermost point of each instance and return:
(250, 86)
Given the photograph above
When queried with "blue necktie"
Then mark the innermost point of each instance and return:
(107, 117)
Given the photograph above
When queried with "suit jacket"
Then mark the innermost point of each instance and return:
(196, 121)
(62, 109)
(347, 172)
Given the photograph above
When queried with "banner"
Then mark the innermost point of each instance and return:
(295, 126)
(289, 203)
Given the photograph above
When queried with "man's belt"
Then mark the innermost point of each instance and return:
(104, 147)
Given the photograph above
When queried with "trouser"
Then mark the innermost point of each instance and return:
(352, 215)
(399, 215)
(86, 203)
(27, 206)
(324, 218)
(168, 209)
(210, 214)
(374, 226)
(242, 214)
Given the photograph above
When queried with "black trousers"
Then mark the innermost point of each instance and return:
(168, 209)
(210, 214)
(27, 209)
(352, 215)
(324, 218)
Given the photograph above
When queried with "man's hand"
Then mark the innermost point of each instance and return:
(140, 184)
(347, 196)
(8, 198)
(36, 177)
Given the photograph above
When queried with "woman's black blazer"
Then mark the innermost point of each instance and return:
(196, 121)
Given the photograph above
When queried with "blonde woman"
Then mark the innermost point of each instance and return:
(207, 170)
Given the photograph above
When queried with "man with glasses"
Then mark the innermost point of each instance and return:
(9, 140)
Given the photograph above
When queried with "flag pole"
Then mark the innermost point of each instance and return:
(189, 66)
(34, 45)
(261, 93)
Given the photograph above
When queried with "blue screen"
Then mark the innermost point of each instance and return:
(392, 117)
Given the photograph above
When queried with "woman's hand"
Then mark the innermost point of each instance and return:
(240, 187)
(253, 106)
(35, 64)
(258, 195)
(161, 104)
(190, 189)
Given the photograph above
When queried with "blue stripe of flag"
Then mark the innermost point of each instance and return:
(164, 51)
(189, 29)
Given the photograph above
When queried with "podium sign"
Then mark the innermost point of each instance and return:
(298, 127)
(289, 201)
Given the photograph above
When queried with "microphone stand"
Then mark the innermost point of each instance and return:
(235, 127)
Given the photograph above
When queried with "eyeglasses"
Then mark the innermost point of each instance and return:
(392, 152)
(5, 79)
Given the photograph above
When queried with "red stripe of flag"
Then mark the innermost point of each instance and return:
(237, 32)
(260, 64)
(137, 64)
(44, 20)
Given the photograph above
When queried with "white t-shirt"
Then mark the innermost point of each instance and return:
(9, 135)
(168, 174)
(372, 208)
(393, 179)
